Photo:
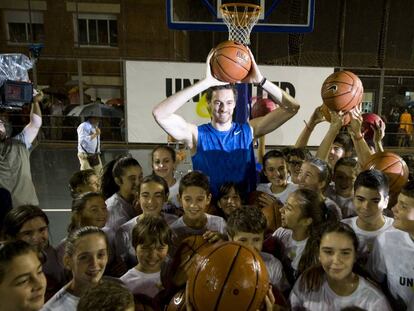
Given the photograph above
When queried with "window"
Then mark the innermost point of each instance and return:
(20, 25)
(96, 30)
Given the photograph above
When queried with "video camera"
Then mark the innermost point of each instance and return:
(15, 91)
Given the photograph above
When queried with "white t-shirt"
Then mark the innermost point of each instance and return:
(139, 282)
(182, 231)
(392, 259)
(282, 196)
(366, 238)
(294, 249)
(275, 270)
(366, 297)
(61, 301)
(124, 247)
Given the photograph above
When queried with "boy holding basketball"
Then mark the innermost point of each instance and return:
(392, 258)
(370, 199)
(222, 149)
(247, 226)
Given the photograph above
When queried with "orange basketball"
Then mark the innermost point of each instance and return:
(342, 91)
(229, 276)
(391, 165)
(230, 62)
(327, 115)
(177, 302)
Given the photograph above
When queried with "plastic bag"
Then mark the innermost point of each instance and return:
(14, 67)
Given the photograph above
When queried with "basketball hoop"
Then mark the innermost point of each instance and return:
(240, 19)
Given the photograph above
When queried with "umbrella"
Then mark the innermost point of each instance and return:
(95, 110)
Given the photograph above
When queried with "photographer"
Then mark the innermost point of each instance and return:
(89, 145)
(15, 174)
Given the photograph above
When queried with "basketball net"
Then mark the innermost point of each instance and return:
(240, 19)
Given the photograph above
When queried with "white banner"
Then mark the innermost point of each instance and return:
(148, 83)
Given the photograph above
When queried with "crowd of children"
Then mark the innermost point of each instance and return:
(335, 247)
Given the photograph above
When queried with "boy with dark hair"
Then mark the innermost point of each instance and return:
(278, 187)
(342, 189)
(195, 197)
(107, 296)
(151, 238)
(247, 225)
(295, 158)
(392, 258)
(370, 199)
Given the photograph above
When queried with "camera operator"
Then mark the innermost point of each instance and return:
(15, 174)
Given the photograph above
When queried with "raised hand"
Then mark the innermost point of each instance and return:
(355, 125)
(254, 76)
(317, 116)
(37, 96)
(209, 76)
(337, 119)
(379, 130)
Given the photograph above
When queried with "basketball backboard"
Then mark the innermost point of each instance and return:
(289, 16)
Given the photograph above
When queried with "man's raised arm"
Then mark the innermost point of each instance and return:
(175, 125)
(32, 129)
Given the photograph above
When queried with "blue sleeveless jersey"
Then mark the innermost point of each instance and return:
(226, 156)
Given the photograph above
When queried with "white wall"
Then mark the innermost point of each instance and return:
(146, 87)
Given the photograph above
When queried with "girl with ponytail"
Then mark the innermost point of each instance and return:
(330, 283)
(302, 217)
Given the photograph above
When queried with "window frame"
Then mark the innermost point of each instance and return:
(96, 17)
(22, 17)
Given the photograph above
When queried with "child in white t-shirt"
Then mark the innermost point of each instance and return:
(195, 198)
(228, 199)
(247, 226)
(151, 237)
(330, 284)
(302, 216)
(341, 191)
(22, 282)
(370, 199)
(392, 259)
(275, 168)
(86, 256)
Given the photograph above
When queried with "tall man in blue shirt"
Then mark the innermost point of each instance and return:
(223, 149)
(89, 144)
